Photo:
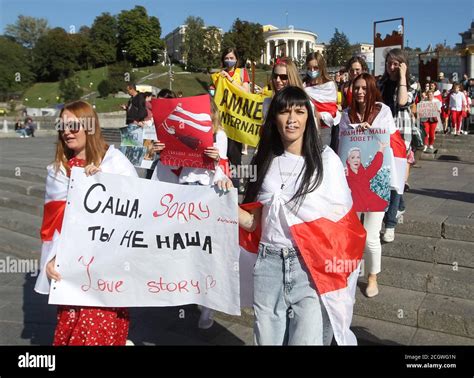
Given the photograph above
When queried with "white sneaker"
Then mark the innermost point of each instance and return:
(129, 343)
(389, 235)
(205, 320)
(425, 148)
(466, 133)
(22, 136)
(431, 148)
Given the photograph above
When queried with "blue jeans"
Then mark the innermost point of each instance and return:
(396, 203)
(288, 310)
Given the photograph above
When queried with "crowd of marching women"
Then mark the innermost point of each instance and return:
(331, 173)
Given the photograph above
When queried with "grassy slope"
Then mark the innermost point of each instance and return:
(190, 84)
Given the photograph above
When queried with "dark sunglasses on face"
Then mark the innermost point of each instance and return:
(283, 77)
(73, 126)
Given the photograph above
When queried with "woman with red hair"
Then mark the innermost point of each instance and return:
(368, 112)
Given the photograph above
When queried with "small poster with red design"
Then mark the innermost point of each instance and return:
(184, 125)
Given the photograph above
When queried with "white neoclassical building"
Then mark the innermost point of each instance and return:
(291, 42)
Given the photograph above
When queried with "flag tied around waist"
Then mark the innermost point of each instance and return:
(330, 238)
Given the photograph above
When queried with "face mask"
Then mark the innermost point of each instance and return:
(230, 63)
(212, 92)
(312, 74)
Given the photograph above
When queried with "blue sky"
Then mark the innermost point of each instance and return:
(426, 21)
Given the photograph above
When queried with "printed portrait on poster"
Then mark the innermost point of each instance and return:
(367, 166)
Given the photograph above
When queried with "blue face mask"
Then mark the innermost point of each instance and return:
(312, 74)
(230, 63)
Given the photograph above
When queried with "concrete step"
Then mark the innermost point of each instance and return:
(22, 187)
(27, 174)
(450, 280)
(437, 226)
(454, 316)
(20, 222)
(19, 245)
(371, 331)
(445, 314)
(112, 136)
(431, 250)
(21, 202)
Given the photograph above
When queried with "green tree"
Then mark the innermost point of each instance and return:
(339, 50)
(247, 38)
(15, 70)
(103, 40)
(211, 47)
(138, 35)
(27, 30)
(104, 88)
(83, 45)
(119, 75)
(55, 55)
(69, 90)
(193, 43)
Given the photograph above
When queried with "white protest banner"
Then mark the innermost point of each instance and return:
(130, 242)
(427, 109)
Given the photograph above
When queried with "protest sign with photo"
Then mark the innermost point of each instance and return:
(137, 144)
(367, 166)
(130, 242)
(240, 112)
(184, 125)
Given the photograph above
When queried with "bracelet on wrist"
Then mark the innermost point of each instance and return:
(402, 85)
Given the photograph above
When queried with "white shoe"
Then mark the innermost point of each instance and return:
(466, 133)
(389, 235)
(425, 148)
(431, 148)
(205, 320)
(129, 343)
(22, 136)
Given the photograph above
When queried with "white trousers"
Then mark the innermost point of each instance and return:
(373, 247)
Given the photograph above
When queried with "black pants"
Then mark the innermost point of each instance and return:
(234, 153)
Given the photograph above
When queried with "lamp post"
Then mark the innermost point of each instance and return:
(170, 72)
(124, 52)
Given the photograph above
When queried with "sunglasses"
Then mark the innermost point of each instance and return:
(73, 126)
(282, 77)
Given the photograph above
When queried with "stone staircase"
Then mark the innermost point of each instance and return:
(427, 280)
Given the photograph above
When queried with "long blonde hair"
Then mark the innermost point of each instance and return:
(96, 147)
(294, 78)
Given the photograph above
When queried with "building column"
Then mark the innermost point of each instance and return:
(470, 63)
(268, 57)
(286, 48)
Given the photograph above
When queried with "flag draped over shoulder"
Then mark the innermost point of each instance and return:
(324, 98)
(331, 240)
(57, 184)
(240, 112)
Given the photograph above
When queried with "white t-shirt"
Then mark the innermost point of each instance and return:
(207, 176)
(457, 101)
(284, 170)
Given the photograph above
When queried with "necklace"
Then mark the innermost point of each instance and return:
(283, 182)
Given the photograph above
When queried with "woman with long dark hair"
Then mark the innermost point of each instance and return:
(301, 204)
(238, 77)
(398, 96)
